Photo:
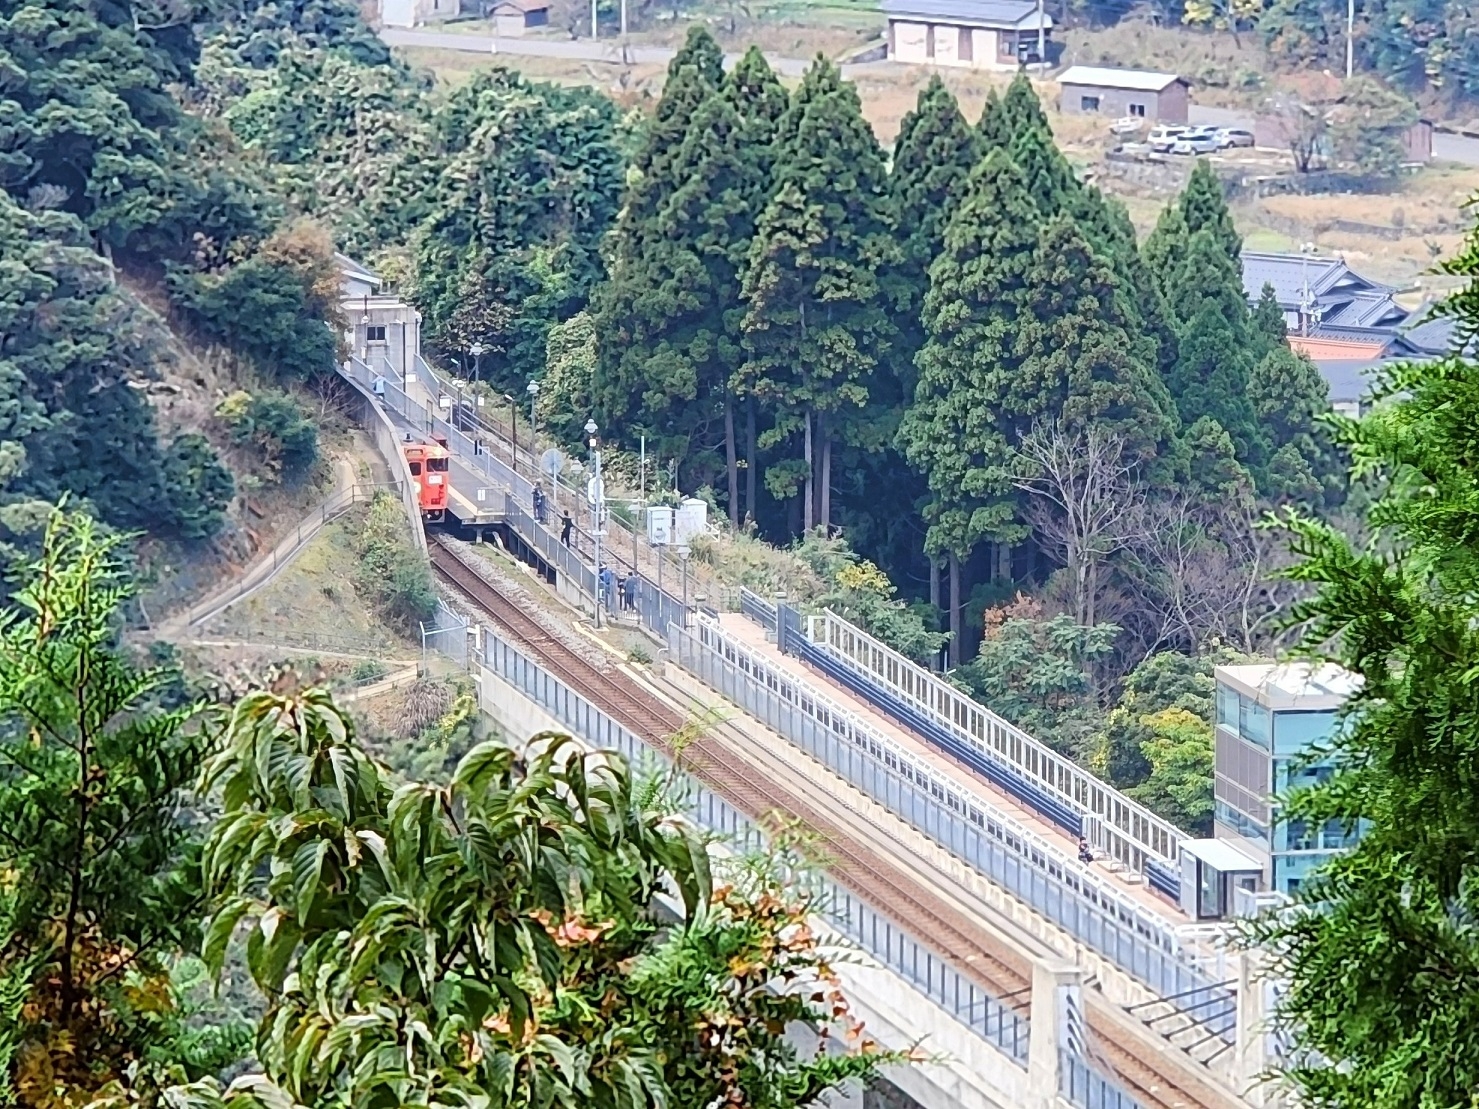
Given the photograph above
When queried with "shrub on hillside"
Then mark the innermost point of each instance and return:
(391, 572)
(277, 425)
(277, 306)
(197, 488)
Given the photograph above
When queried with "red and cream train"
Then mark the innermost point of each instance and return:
(431, 470)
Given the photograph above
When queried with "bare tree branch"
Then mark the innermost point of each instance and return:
(1083, 503)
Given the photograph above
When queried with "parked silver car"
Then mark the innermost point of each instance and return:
(1197, 140)
(1164, 137)
(1228, 137)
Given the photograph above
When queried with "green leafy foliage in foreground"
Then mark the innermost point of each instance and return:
(496, 941)
(98, 887)
(537, 931)
(1381, 956)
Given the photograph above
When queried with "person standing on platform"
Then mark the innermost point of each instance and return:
(539, 504)
(566, 526)
(629, 592)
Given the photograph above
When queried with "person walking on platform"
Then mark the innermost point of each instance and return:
(607, 578)
(566, 526)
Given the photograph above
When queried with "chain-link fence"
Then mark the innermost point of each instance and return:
(445, 634)
(287, 549)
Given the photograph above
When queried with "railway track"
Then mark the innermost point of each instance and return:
(850, 863)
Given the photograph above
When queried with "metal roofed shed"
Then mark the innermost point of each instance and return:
(969, 34)
(1124, 94)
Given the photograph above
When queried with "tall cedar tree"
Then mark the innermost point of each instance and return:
(1216, 355)
(1205, 209)
(953, 433)
(817, 327)
(1082, 360)
(1268, 318)
(932, 163)
(694, 73)
(1164, 252)
(1378, 966)
(1289, 395)
(991, 128)
(1106, 225)
(670, 331)
(762, 102)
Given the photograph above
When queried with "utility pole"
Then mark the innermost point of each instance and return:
(595, 31)
(623, 24)
(1042, 57)
(590, 430)
(1350, 38)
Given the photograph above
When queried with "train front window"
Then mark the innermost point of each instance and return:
(415, 469)
(436, 465)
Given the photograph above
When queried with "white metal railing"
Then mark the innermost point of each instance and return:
(948, 810)
(1124, 829)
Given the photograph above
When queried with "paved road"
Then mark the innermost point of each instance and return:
(574, 50)
(1446, 148)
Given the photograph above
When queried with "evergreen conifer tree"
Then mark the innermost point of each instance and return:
(1049, 177)
(1021, 111)
(694, 74)
(1204, 209)
(1083, 360)
(991, 128)
(1215, 472)
(1268, 319)
(1289, 395)
(762, 103)
(953, 432)
(1211, 379)
(816, 326)
(1164, 250)
(932, 162)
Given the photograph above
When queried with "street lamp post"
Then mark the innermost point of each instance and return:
(402, 325)
(590, 431)
(533, 390)
(513, 412)
(476, 350)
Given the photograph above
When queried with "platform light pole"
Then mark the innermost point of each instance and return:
(513, 414)
(590, 431)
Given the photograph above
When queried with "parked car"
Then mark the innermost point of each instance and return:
(1126, 125)
(1228, 137)
(1196, 140)
(1163, 138)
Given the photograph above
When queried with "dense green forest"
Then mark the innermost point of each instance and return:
(954, 354)
(105, 175)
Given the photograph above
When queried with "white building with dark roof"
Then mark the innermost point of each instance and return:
(971, 34)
